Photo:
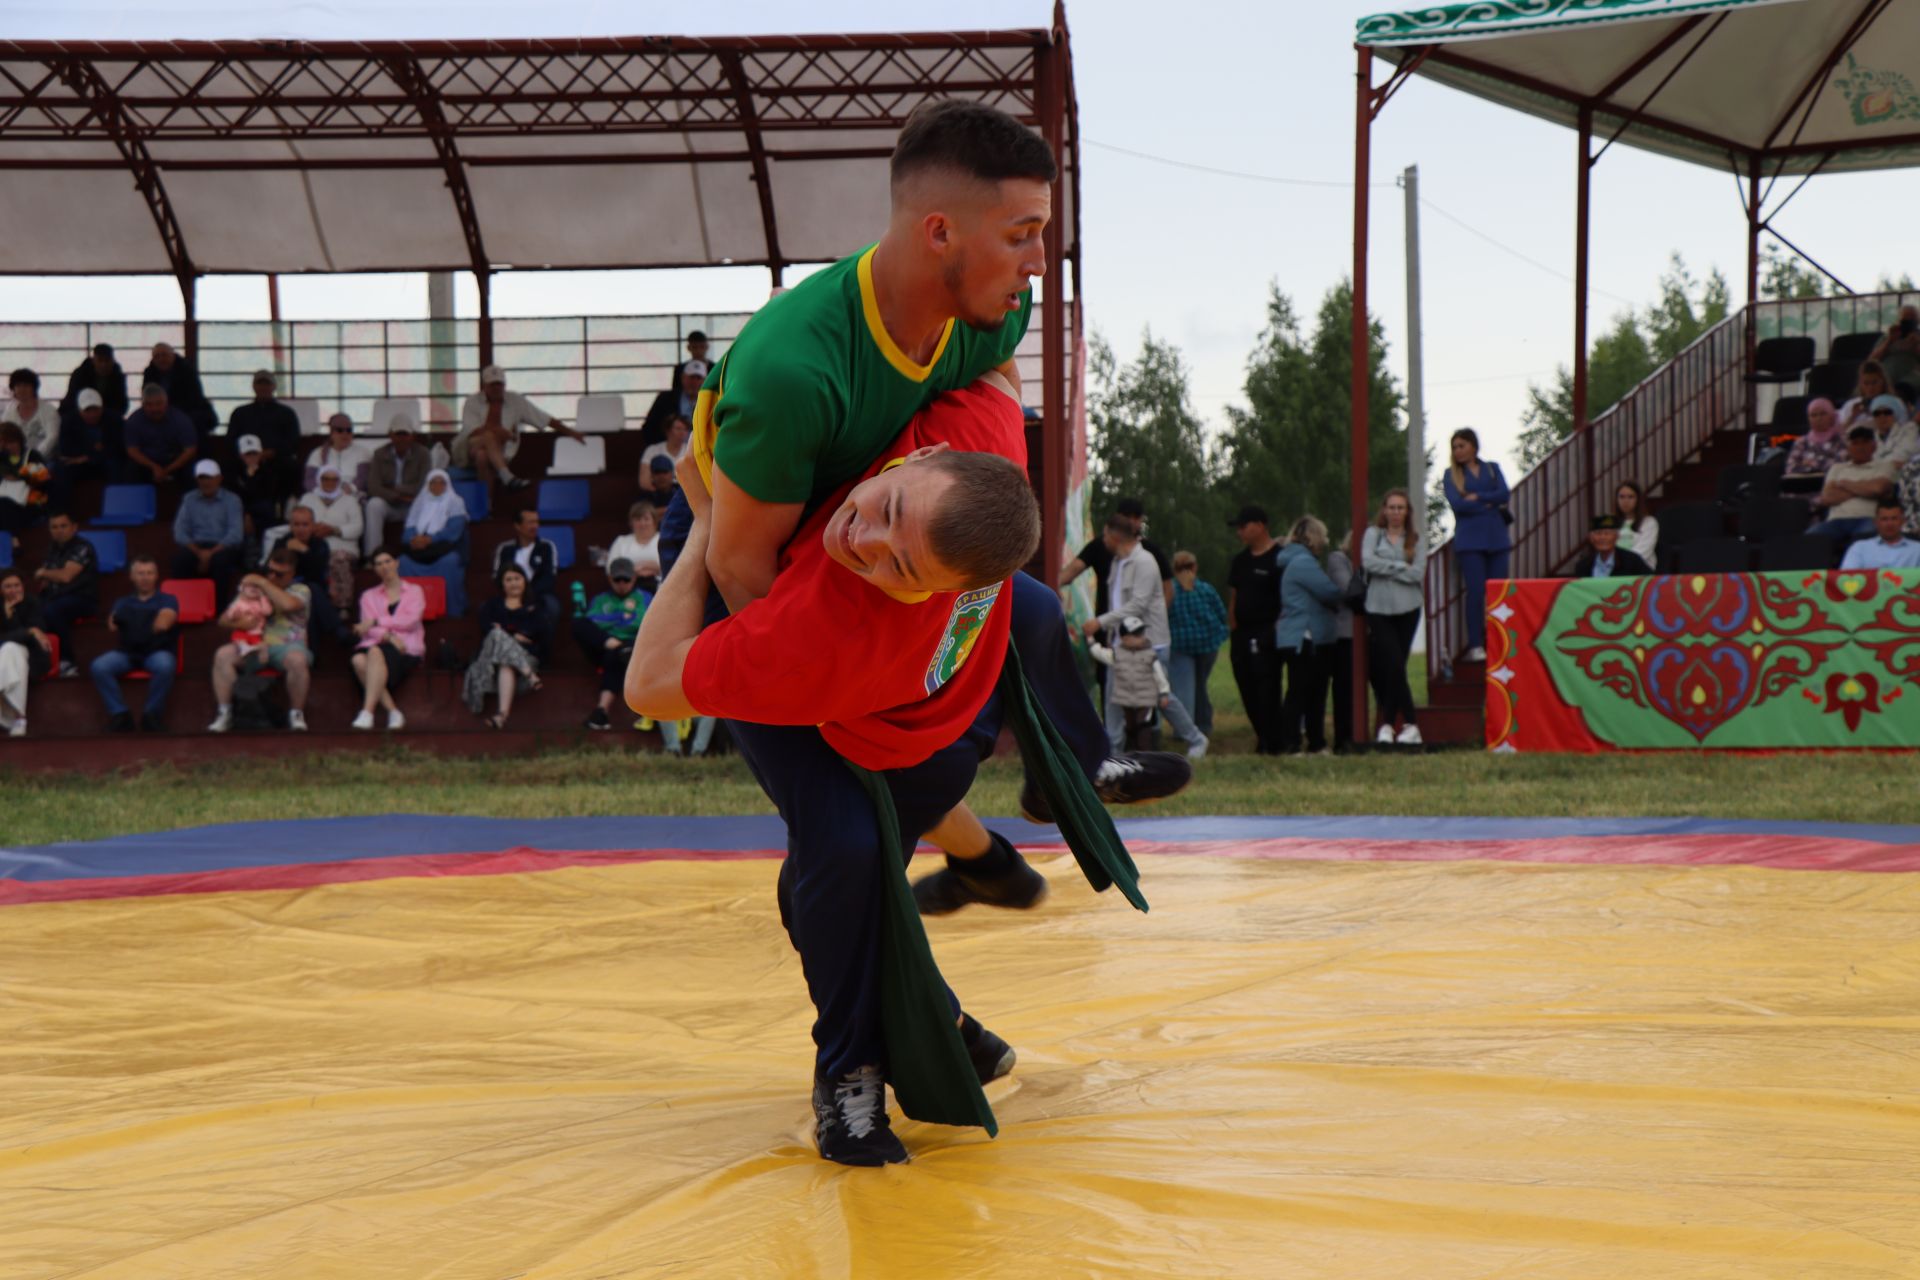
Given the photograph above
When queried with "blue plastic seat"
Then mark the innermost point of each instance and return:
(6, 553)
(126, 506)
(563, 501)
(109, 548)
(474, 494)
(561, 536)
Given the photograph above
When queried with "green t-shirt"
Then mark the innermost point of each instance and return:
(814, 389)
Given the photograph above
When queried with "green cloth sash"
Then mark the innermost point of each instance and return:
(927, 1063)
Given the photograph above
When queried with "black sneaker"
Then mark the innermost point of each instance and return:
(516, 483)
(1142, 776)
(121, 723)
(599, 719)
(152, 724)
(850, 1120)
(992, 1056)
(1000, 878)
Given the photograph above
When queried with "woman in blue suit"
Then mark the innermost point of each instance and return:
(1478, 494)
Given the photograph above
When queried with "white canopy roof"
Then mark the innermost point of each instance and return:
(1799, 85)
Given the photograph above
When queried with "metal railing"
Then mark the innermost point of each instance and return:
(1645, 436)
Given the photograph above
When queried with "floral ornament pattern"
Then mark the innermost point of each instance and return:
(1854, 696)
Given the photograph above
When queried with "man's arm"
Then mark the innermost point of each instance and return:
(1071, 570)
(744, 549)
(667, 633)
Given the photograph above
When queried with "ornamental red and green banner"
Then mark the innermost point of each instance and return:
(1737, 661)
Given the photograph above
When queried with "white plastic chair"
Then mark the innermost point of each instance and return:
(307, 409)
(383, 415)
(600, 415)
(579, 457)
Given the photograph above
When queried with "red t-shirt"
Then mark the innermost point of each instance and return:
(889, 683)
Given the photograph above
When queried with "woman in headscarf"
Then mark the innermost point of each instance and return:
(1823, 445)
(436, 540)
(338, 519)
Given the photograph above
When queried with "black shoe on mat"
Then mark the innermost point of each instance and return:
(1000, 878)
(850, 1120)
(992, 1056)
(1142, 776)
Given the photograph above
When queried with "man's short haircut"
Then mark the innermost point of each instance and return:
(1888, 502)
(524, 512)
(298, 506)
(1126, 526)
(284, 557)
(973, 139)
(696, 336)
(1860, 431)
(988, 524)
(27, 376)
(1132, 508)
(144, 559)
(60, 513)
(153, 389)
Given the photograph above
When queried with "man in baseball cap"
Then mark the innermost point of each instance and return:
(209, 529)
(1253, 607)
(490, 425)
(80, 449)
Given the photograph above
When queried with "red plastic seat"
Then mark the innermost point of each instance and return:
(196, 599)
(436, 593)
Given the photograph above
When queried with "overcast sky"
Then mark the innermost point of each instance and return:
(1263, 89)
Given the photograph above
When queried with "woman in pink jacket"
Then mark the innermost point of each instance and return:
(393, 639)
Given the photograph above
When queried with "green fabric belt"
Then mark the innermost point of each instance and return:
(927, 1064)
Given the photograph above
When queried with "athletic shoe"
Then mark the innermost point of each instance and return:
(850, 1120)
(516, 482)
(121, 723)
(18, 729)
(1198, 751)
(1409, 736)
(1004, 880)
(296, 721)
(222, 722)
(1142, 776)
(152, 724)
(1475, 654)
(599, 719)
(395, 721)
(1385, 735)
(363, 721)
(992, 1057)
(67, 671)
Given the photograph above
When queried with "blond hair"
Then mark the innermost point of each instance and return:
(1310, 530)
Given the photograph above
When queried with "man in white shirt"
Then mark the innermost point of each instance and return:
(490, 425)
(1854, 487)
(352, 457)
(1889, 548)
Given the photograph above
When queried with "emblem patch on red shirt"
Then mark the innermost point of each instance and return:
(970, 610)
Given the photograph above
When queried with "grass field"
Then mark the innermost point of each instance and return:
(1832, 787)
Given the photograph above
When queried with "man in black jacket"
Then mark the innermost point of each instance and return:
(277, 427)
(1603, 557)
(100, 373)
(674, 401)
(176, 373)
(537, 557)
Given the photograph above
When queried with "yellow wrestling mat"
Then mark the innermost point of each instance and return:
(1289, 1069)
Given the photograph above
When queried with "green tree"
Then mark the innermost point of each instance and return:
(1782, 278)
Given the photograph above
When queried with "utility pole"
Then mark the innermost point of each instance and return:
(1416, 392)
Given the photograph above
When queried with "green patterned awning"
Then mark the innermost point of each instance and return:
(1799, 84)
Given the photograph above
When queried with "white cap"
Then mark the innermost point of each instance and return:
(398, 423)
(698, 368)
(90, 399)
(492, 373)
(248, 444)
(205, 467)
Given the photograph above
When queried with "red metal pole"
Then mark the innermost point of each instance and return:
(1362, 369)
(1056, 433)
(1753, 283)
(1581, 225)
(273, 315)
(485, 280)
(190, 309)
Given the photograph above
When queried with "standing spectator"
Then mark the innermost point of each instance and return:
(1899, 352)
(24, 652)
(604, 628)
(1639, 532)
(696, 350)
(393, 639)
(436, 540)
(1135, 592)
(1253, 608)
(1395, 558)
(1895, 437)
(1482, 548)
(313, 564)
(256, 485)
(160, 439)
(82, 448)
(282, 646)
(353, 457)
(537, 557)
(394, 479)
(1139, 686)
(24, 478)
(490, 425)
(1096, 557)
(1888, 549)
(673, 448)
(1338, 657)
(641, 545)
(677, 401)
(337, 519)
(1823, 445)
(1869, 385)
(181, 381)
(69, 580)
(142, 625)
(101, 374)
(1854, 488)
(1305, 637)
(1197, 620)
(38, 420)
(661, 484)
(277, 429)
(209, 530)
(515, 635)
(1604, 557)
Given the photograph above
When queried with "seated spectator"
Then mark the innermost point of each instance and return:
(661, 483)
(255, 484)
(353, 457)
(1870, 384)
(176, 375)
(1899, 352)
(1639, 531)
(101, 374)
(515, 636)
(436, 540)
(537, 557)
(276, 427)
(209, 529)
(1304, 637)
(281, 646)
(1823, 445)
(490, 425)
(337, 518)
(1895, 437)
(142, 624)
(1889, 548)
(604, 629)
(314, 561)
(38, 420)
(394, 479)
(1604, 557)
(69, 582)
(81, 450)
(641, 545)
(677, 401)
(1854, 487)
(24, 478)
(393, 639)
(673, 448)
(160, 440)
(24, 652)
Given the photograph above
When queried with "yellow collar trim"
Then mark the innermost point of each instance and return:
(870, 307)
